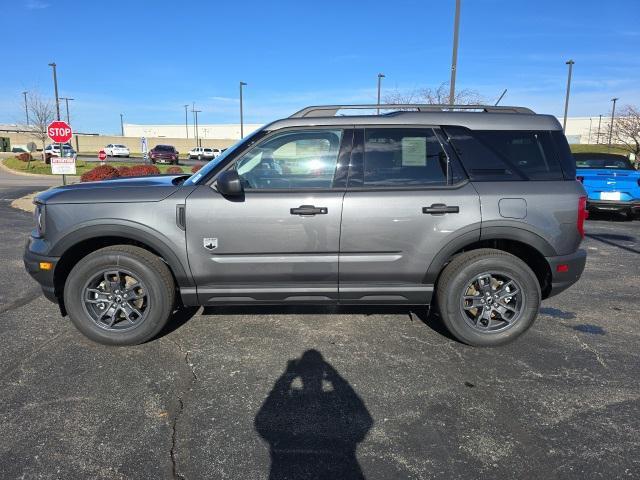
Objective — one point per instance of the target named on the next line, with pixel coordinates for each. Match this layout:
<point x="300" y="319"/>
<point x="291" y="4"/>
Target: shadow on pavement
<point x="313" y="421"/>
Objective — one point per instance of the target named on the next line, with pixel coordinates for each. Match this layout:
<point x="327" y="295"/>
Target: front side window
<point x="403" y="157"/>
<point x="293" y="160"/>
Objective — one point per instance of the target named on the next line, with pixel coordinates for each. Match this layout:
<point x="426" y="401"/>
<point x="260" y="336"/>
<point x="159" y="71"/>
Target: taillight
<point x="583" y="214"/>
<point x="580" y="179"/>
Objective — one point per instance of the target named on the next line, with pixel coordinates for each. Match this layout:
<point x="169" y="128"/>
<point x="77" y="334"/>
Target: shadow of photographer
<point x="313" y="421"/>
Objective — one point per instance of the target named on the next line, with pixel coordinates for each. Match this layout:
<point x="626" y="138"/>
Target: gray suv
<point x="472" y="210"/>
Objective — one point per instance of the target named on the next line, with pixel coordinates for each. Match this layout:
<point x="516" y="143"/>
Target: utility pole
<point x="121" y="126"/>
<point x="613" y="113"/>
<point x="242" y="84"/>
<point x="193" y="119"/>
<point x="589" y="140"/>
<point x="380" y="77"/>
<point x="598" y="135"/>
<point x="196" y="112"/>
<point x="186" y="121"/>
<point x="55" y="87"/>
<point x="454" y="56"/>
<point x="566" y="100"/>
<point x="66" y="101"/>
<point x="26" y="108"/>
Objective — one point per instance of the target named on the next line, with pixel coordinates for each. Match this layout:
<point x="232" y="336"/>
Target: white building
<point x="229" y="131"/>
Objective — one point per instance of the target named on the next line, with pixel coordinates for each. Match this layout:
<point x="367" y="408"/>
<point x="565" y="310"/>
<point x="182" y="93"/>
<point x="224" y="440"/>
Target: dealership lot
<point x="205" y="399"/>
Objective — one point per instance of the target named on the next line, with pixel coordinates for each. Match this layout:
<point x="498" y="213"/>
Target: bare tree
<point x="435" y="96"/>
<point x="41" y="114"/>
<point x="626" y="129"/>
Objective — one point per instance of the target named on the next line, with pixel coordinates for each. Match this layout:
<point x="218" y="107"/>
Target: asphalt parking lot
<point x="393" y="396"/>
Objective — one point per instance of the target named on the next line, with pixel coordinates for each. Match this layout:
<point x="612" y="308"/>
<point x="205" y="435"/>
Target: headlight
<point x="39" y="218"/>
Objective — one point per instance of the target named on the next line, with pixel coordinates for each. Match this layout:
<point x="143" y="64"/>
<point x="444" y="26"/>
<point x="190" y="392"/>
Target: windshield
<point x="619" y="163"/>
<point x="204" y="171"/>
<point x="120" y="146"/>
<point x="167" y="148"/>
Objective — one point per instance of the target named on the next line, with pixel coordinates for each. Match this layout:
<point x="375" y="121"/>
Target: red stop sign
<point x="102" y="155"/>
<point x="59" y="131"/>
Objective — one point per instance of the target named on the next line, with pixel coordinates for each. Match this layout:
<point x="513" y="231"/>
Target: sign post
<point x="60" y="132"/>
<point x="143" y="143"/>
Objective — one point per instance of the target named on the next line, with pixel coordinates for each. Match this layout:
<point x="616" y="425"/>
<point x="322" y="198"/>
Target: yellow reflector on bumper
<point x="46" y="265"/>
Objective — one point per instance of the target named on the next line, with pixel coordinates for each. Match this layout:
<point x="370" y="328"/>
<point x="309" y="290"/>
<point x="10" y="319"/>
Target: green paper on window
<point x="414" y="151"/>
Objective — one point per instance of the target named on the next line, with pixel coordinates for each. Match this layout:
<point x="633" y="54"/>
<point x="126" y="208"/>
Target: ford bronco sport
<point x="473" y="210"/>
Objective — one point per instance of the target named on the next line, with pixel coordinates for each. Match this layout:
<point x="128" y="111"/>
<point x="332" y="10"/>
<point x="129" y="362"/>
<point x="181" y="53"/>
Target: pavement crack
<point x="174" y="435"/>
<point x="29" y="297"/>
<point x="591" y="350"/>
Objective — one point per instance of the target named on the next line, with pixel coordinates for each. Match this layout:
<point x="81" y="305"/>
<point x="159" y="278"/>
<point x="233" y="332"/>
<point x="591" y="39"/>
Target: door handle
<point x="440" y="209"/>
<point x="309" y="210"/>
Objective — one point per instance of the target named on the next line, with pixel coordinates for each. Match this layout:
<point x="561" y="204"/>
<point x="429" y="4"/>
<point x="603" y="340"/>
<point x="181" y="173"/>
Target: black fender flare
<point x="131" y="231"/>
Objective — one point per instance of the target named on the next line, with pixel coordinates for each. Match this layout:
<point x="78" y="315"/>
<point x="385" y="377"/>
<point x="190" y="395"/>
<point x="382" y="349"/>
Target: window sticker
<point x="414" y="151"/>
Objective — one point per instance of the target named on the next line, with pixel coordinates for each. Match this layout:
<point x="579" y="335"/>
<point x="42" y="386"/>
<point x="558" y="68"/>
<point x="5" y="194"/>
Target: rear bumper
<point x="43" y="277"/>
<point x="614" y="205"/>
<point x="561" y="280"/>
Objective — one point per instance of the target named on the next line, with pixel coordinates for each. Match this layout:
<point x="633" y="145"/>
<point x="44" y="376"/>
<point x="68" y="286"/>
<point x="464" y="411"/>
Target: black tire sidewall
<point x="512" y="267"/>
<point x="159" y="300"/>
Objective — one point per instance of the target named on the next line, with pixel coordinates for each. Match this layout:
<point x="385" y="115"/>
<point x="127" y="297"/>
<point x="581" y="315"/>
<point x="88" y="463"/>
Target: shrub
<point x="123" y="171"/>
<point x="175" y="170"/>
<point x="141" y="171"/>
<point x="102" y="172"/>
<point x="195" y="168"/>
<point x="24" y="157"/>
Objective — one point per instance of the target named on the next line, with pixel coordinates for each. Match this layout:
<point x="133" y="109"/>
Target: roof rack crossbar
<point x="331" y="110"/>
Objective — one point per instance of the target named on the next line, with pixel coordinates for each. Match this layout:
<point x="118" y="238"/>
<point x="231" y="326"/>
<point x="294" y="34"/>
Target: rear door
<point x="280" y="241"/>
<point x="407" y="200"/>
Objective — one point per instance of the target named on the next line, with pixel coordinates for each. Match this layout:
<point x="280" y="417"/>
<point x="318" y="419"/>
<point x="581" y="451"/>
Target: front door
<point x="280" y="241"/>
<point x="406" y="202"/>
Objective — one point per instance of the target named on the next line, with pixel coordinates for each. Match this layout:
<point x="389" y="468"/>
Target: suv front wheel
<point x="488" y="297"/>
<point x="120" y="295"/>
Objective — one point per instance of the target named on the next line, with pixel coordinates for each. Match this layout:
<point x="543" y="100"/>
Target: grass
<point x="39" y="167"/>
<point x="584" y="148"/>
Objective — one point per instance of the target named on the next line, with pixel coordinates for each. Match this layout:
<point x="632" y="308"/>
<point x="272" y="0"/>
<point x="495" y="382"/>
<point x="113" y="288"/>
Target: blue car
<point x="611" y="182"/>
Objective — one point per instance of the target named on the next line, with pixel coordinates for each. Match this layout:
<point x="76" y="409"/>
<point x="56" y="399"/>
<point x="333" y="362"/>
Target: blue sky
<point x="147" y="59"/>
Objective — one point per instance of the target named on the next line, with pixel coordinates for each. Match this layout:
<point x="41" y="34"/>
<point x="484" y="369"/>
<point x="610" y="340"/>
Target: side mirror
<point x="229" y="183"/>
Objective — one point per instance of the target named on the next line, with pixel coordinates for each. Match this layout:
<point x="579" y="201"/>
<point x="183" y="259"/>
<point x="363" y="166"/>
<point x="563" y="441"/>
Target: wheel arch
<point x="79" y="243"/>
<point x="527" y="246"/>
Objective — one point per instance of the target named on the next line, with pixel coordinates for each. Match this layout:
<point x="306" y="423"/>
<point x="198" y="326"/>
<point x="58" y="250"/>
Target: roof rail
<point x="331" y="110"/>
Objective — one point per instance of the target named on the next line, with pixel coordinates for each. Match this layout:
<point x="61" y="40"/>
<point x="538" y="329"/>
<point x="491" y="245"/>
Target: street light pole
<point x="613" y="113"/>
<point x="380" y="77"/>
<point x="66" y="101"/>
<point x="566" y="100"/>
<point x="242" y="84"/>
<point x="454" y="56"/>
<point x="186" y="121"/>
<point x="121" y="126"/>
<point x="26" y="109"/>
<point x="55" y="87"/>
<point x="196" y="112"/>
<point x="590" y="123"/>
<point x="598" y="135"/>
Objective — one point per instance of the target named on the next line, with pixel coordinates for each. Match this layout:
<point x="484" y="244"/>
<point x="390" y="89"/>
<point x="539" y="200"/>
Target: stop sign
<point x="59" y="131"/>
<point x="102" y="155"/>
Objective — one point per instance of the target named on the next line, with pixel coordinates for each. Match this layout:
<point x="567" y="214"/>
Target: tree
<point x="435" y="96"/>
<point x="626" y="129"/>
<point x="41" y="114"/>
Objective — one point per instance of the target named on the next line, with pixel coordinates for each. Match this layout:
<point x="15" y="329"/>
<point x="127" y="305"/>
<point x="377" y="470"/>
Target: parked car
<point x="164" y="154"/>
<point x="19" y="149"/>
<point x="216" y="152"/>
<point x="475" y="212"/>
<point x="53" y="150"/>
<point x="117" y="150"/>
<point x="201" y="153"/>
<point x="611" y="182"/>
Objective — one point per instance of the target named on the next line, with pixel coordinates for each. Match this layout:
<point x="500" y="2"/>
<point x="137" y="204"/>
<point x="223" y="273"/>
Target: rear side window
<point x="403" y="157"/>
<point x="498" y="155"/>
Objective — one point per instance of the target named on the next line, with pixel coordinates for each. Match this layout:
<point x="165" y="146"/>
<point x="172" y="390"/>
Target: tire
<point x="459" y="279"/>
<point x="154" y="281"/>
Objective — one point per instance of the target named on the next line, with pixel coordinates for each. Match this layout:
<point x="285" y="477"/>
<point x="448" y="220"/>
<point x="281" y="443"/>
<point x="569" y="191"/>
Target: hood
<point x="120" y="190"/>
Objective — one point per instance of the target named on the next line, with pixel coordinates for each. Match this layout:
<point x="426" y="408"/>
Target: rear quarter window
<point x="508" y="155"/>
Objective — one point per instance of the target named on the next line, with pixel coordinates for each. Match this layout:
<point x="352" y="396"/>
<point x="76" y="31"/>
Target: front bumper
<point x="43" y="277"/>
<point x="614" y="205"/>
<point x="561" y="280"/>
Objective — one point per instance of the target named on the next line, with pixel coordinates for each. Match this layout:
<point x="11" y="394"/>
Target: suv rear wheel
<point x="120" y="295"/>
<point x="488" y="297"/>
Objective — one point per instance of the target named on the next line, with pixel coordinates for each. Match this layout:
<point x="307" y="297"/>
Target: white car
<point x="216" y="152"/>
<point x="202" y="153"/>
<point x="117" y="150"/>
<point x="53" y="150"/>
